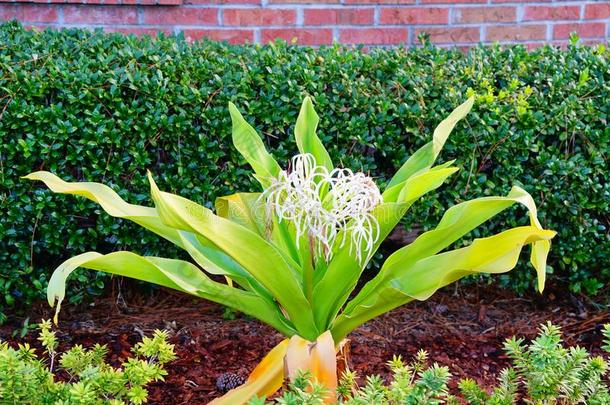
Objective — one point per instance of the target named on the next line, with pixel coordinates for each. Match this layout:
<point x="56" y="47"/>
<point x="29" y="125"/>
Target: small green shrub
<point x="106" y="107"/>
<point x="548" y="372"/>
<point x="544" y="372"/>
<point x="26" y="378"/>
<point x="413" y="383"/>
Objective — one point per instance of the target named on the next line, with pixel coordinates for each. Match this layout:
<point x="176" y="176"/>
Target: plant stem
<point x="308" y="269"/>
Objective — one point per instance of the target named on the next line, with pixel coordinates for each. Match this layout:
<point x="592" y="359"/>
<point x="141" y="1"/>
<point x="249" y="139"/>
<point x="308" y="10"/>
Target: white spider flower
<point x="323" y="205"/>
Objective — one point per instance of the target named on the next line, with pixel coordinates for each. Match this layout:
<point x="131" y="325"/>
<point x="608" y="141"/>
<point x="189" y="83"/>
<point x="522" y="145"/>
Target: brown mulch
<point x="461" y="328"/>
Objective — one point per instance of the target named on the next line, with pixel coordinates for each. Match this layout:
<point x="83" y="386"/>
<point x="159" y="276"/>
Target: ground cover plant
<point x="543" y="372"/>
<point x="293" y="254"/>
<point x="105" y="107"/>
<point x="27" y="378"/>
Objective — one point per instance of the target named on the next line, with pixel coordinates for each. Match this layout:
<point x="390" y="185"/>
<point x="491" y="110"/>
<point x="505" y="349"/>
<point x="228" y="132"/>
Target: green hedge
<point x="91" y="106"/>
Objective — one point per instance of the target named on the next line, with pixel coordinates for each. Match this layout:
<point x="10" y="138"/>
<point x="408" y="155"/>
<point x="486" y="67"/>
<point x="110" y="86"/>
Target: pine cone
<point x="227" y="381"/>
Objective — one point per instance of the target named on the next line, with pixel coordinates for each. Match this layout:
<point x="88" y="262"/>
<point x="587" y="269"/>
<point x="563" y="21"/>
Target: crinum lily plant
<point x="292" y="254"/>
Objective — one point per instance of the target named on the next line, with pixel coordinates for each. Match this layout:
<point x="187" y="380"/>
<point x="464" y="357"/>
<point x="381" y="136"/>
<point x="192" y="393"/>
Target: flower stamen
<point x="323" y="205"/>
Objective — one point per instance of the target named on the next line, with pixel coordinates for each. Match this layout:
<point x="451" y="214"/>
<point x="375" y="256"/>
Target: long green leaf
<point x="176" y="274"/>
<point x="250" y="145"/>
<point x="110" y="201"/>
<point x="455" y="223"/>
<point x="427" y="154"/>
<point x="257" y="256"/>
<point x="420" y="279"/>
<point x="205" y="253"/>
<point x="305" y="134"/>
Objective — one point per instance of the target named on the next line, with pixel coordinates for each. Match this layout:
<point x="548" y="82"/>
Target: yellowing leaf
<point x="285" y="361"/>
<point x="205" y="253"/>
<point x="245" y="209"/>
<point x="407" y="280"/>
<point x="324" y="365"/>
<point x="176" y="274"/>
<point x="297" y="356"/>
<point x="264" y="380"/>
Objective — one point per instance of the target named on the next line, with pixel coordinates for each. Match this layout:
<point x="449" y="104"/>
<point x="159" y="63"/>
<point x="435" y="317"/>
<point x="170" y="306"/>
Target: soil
<point x="461" y="328"/>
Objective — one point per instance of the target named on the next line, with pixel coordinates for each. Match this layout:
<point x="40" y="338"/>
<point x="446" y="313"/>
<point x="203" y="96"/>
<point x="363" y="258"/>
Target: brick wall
<point x="316" y="22"/>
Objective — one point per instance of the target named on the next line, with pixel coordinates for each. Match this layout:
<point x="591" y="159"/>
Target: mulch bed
<point x="461" y="328"/>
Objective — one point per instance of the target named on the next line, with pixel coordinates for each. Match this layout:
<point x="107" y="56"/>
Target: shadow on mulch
<point x="463" y="329"/>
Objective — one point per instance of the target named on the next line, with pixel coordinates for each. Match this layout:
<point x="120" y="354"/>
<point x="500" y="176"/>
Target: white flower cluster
<point x="326" y="206"/>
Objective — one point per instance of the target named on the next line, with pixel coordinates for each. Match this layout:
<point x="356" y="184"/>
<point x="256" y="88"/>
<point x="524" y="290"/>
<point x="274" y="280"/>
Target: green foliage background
<point x="106" y="107"/>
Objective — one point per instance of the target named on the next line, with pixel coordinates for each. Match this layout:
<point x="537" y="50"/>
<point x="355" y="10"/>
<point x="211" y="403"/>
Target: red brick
<point x="380" y="1"/>
<point x="180" y="16"/>
<point x="593" y="42"/>
<point x="485" y="14"/>
<point x="300" y="36"/>
<point x="541" y="13"/>
<point x="452" y="1"/>
<point x="100" y="15"/>
<point x="170" y="2"/>
<point x="597" y="11"/>
<point x="152" y="32"/>
<point x="521" y="1"/>
<point x="450" y="35"/>
<point x="587" y="30"/>
<point x="414" y="16"/>
<point x="338" y="16"/>
<point x="373" y="36"/>
<point x="516" y="32"/>
<point x="207" y="2"/>
<point x="303" y="1"/>
<point x="28" y="13"/>
<point x="246" y="17"/>
<point x="232" y="36"/>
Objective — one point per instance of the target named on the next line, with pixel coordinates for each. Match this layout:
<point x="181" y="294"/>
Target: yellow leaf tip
<point x="235" y="114"/>
<point x="56" y="316"/>
<point x="540" y="286"/>
<point x="234" y="111"/>
<point x="30" y="176"/>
